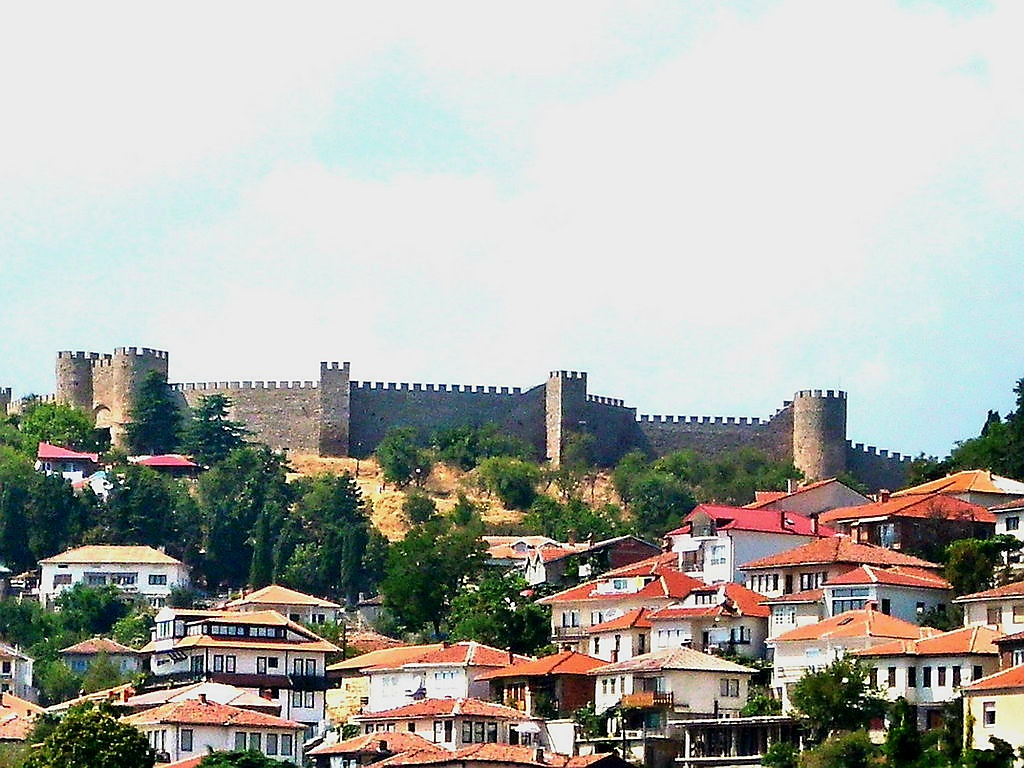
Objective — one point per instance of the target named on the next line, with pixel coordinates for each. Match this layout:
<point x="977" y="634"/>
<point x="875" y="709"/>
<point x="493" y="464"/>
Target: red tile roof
<point x="978" y="640"/>
<point x="933" y="506"/>
<point x="666" y="584"/>
<point x="839" y="549"/>
<point x="275" y="594"/>
<point x="746" y="519"/>
<point x="968" y="481"/>
<point x="866" y="622"/>
<point x="365" y="641"/>
<point x="196" y="712"/>
<point x="470" y="654"/>
<point x="564" y="663"/>
<point x="445" y="708"/>
<point x="1008" y="679"/>
<point x="98" y="645"/>
<point x="166" y="460"/>
<point x="395" y="741"/>
<point x="1014" y="589"/>
<point x="385" y="658"/>
<point x="498" y="753"/>
<point x="895" y="576"/>
<point x="47" y="451"/>
<point x="766" y="498"/>
<point x="635" y="618"/>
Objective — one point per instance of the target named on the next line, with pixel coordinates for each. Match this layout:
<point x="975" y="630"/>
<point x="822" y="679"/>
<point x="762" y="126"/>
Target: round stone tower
<point x="74" y="379"/>
<point x="819" y="433"/>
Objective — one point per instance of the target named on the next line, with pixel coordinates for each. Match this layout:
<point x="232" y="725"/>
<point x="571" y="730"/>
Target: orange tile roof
<point x="667" y="584"/>
<point x="564" y="663"/>
<point x="746" y="600"/>
<point x="104" y="553"/>
<point x="933" y="506"/>
<point x="9" y="703"/>
<point x="894" y="576"/>
<point x="445" y="708"/>
<point x="468" y="653"/>
<point x="369" y="743"/>
<point x="978" y="640"/>
<point x="635" y="618"/>
<point x="1008" y="679"/>
<point x="366" y="641"/>
<point x="839" y="549"/>
<point x="496" y="753"/>
<point x="968" y="481"/>
<point x="386" y="658"/>
<point x="757" y="520"/>
<point x="98" y="645"/>
<point x="672" y="658"/>
<point x="866" y="622"/>
<point x="275" y="594"/>
<point x="1014" y="589"/>
<point x="196" y="712"/>
<point x="188" y="762"/>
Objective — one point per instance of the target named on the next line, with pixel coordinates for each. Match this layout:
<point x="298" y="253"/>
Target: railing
<point x="569" y="633"/>
<point x="647" y="700"/>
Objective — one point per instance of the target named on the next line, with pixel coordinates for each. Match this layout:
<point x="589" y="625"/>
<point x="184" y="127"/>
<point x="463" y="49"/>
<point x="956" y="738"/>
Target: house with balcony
<point x="675" y="683"/>
<point x="929" y="672"/>
<point x="349" y="693"/>
<point x="918" y="523"/>
<point x="810" y="499"/>
<point x="195" y="727"/>
<point x="548" y="687"/>
<point x="720" y="617"/>
<point x="714" y="540"/>
<point x="621" y="637"/>
<point x="449" y="672"/>
<point x="976" y="486"/>
<point x="16" y="672"/>
<point x="651" y="583"/>
<point x="136" y="570"/>
<point x="810" y="566"/>
<point x="297" y="606"/>
<point x="1008" y="516"/>
<point x="262" y="652"/>
<point x="454" y="723"/>
<point x="815" y="646"/>
<point x="1000" y="607"/>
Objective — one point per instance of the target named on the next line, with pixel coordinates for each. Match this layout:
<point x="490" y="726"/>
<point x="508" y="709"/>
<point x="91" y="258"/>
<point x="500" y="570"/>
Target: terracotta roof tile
<point x="196" y="712"/>
<point x="55" y="452"/>
<point x="1008" y="679"/>
<point x="104" y="553"/>
<point x="1014" y="589"/>
<point x="747" y="519"/>
<point x="275" y="594"/>
<point x="635" y="618"/>
<point x="968" y="481"/>
<point x="866" y="622"/>
<point x="672" y="658"/>
<point x="807" y="596"/>
<point x="838" y="549"/>
<point x="564" y="663"/>
<point x="471" y="653"/>
<point x="894" y="576"/>
<point x="98" y="645"/>
<point x="445" y="708"/>
<point x="365" y="641"/>
<point x="978" y="640"/>
<point x="933" y="506"/>
<point x="766" y="498"/>
<point x="369" y="743"/>
<point x="386" y="658"/>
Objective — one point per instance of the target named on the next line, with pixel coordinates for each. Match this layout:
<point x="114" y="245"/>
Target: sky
<point x="707" y="206"/>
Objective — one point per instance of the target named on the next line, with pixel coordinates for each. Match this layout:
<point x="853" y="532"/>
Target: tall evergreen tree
<point x="209" y="435"/>
<point x="155" y="418"/>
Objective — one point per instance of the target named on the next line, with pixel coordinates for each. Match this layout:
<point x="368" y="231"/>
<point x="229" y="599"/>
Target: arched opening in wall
<point x="103" y="422"/>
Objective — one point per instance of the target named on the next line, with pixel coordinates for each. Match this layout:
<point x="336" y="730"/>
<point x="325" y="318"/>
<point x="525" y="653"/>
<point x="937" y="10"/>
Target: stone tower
<point x="819" y="433"/>
<point x="565" y="404"/>
<point x="334" y="409"/>
<point x="5" y="400"/>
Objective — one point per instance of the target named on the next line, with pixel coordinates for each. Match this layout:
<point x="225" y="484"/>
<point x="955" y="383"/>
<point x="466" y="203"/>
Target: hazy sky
<point x="705" y="205"/>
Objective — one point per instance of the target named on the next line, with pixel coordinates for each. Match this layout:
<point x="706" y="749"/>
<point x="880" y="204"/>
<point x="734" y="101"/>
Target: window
<point x="911" y="677"/>
<point x="1018" y="614"/>
<point x="988" y="716"/>
<point x="296" y="698"/>
<point x="956" y="676"/>
<point x="60" y="579"/>
<point x="597" y="646"/>
<point x="620" y="584"/>
<point x="297" y="667"/>
<point x="730" y="687"/>
<point x="261" y="665"/>
<point x="185" y="740"/>
<point x="438" y="731"/>
<point x="886" y="606"/>
<point x="157" y="579"/>
<point x="218" y="663"/>
<point x="942" y="676"/>
<point x="309" y="699"/>
<point x="993" y="615"/>
<point x="255" y="741"/>
<point x="124" y="579"/>
<point x="240" y="742"/>
<point x="229" y="663"/>
<point x="197" y="663"/>
<point x="467" y="732"/>
<point x="1012" y="523"/>
<point x="492" y="733"/>
<point x="310" y="667"/>
<point x="271" y="743"/>
<point x="478" y="732"/>
<point x="926" y="677"/>
<point x="891" y="677"/>
<point x="977" y="672"/>
<point x="873" y="677"/>
<point x="272" y="662"/>
<point x="286" y="744"/>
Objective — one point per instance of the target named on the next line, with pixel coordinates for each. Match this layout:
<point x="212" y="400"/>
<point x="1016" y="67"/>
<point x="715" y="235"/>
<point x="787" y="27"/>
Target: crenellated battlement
<point x="68" y="355"/>
<point x="613" y="401"/>
<point x="463" y="388"/>
<point x="828" y="394"/>
<point x="325" y="367"/>
<point x="751" y="421"/>
<point x="568" y="375"/>
<point x="158" y="354"/>
<point x="871" y="450"/>
<point x="241" y="385"/>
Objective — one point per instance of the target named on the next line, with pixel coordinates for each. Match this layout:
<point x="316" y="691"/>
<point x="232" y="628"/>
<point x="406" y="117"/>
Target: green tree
<point x="971" y="564"/>
<point x="574" y="520"/>
<point x="155" y="423"/>
<point x="251" y="759"/>
<point x="781" y="754"/>
<point x="497" y="612"/>
<point x="418" y="507"/>
<point x="847" y="750"/>
<point x="427" y="569"/>
<point x="93" y="738"/>
<point x="402" y="459"/>
<point x="141" y="508"/>
<point x="761" y="702"/>
<point x="102" y="674"/>
<point x="57" y="424"/>
<point x="16" y="478"/>
<point x="210" y="435"/>
<point x="90" y="611"/>
<point x="660" y="502"/>
<point x="466" y="446"/>
<point x="56" y="681"/>
<point x="835" y="698"/>
<point x="513" y="481"/>
<point x="133" y="630"/>
<point x="902" y="739"/>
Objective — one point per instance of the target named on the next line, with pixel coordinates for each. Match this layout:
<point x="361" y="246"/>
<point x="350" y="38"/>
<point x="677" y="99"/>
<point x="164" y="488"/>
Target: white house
<point x="929" y="672"/>
<point x="136" y="570"/>
<point x="296" y="605"/>
<point x="80" y="656"/>
<point x="195" y="727"/>
<point x="815" y="646"/>
<point x="1001" y="607"/>
<point x="723" y="617"/>
<point x="16" y="673"/>
<point x="714" y="540"/>
<point x="673" y="681"/>
<point x="621" y="638"/>
<point x="261" y="652"/>
<point x="449" y="672"/>
<point x="71" y="465"/>
<point x="977" y="486"/>
<point x="810" y="499"/>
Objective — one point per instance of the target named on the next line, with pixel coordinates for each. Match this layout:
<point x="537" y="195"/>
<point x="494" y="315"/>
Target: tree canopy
<point x="155" y="424"/>
<point x="836" y="698"/>
<point x="92" y="738"/>
<point x="209" y="435"/>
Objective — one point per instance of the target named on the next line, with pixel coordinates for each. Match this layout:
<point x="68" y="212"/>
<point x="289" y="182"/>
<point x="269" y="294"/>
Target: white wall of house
<point x="747" y="634"/>
<point x="153" y="581"/>
<point x="787" y="616"/>
<point x="303" y="614"/>
<point x="182" y="742"/>
<point x="793" y="658"/>
<point x="389" y="689"/>
<point x="720" y="557"/>
<point x="450" y="732"/>
<point x="620" y="644"/>
<point x="1004" y="613"/>
<point x="907" y="603"/>
<point x="693" y="692"/>
<point x="16" y="674"/>
<point x="933" y="677"/>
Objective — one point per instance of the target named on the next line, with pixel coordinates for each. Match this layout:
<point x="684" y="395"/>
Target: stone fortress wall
<point x="339" y="416"/>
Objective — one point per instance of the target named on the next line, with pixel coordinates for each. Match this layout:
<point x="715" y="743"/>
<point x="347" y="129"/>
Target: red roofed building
<point x="977" y="486"/>
<point x="81" y="655"/>
<point x="817" y="645"/>
<point x="453" y="723"/>
<point x="173" y="464"/>
<point x="714" y="540"/>
<point x="1001" y="607"/>
<point x="551" y="686"/>
<point x="185" y="729"/>
<point x="929" y="672"/>
<point x="551" y="565"/>
<point x="810" y="565"/>
<point x="503" y="756"/>
<point x="17" y="717"/>
<point x="369" y="748"/>
<point x="810" y="499"/>
<point x="994" y="706"/>
<point x="71" y="465"/>
<point x="915" y="523"/>
<point x="720" y="617"/>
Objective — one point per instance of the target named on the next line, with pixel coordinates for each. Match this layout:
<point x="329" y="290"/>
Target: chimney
<point x="538" y="755"/>
<point x="511" y="657"/>
<point x="782" y="519"/>
<point x="871" y="605"/>
<point x="382" y="746"/>
<point x="883" y="494"/>
<point x="202" y="699"/>
<point x="814" y="523"/>
<point x="791" y="485"/>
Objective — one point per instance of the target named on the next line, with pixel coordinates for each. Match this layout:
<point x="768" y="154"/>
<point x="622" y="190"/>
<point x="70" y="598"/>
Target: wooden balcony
<point x="646" y="700"/>
<point x="569" y="633"/>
